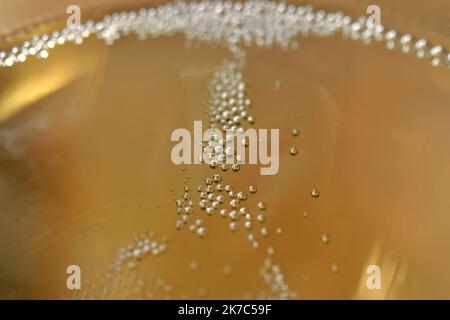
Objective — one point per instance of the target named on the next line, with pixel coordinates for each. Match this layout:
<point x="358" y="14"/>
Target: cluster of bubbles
<point x="229" y="105"/>
<point x="146" y="244"/>
<point x="228" y="110"/>
<point x="253" y="22"/>
<point x="217" y="198"/>
<point x="194" y="266"/>
<point x="272" y="275"/>
<point x="184" y="208"/>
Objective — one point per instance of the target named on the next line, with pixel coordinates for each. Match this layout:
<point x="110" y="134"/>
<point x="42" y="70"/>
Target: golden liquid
<point x="85" y="167"/>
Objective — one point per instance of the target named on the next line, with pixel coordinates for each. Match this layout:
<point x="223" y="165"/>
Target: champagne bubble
<point x="325" y="238"/>
<point x="193" y="265"/>
<point x="315" y="193"/>
<point x="261" y="205"/>
<point x="234" y="203"/>
<point x="264" y="231"/>
<point x="223" y="212"/>
<point x="201" y="231"/>
<point x="334" y="267"/>
<point x="242" y="195"/>
<point x="261" y="217"/>
<point x="233" y="226"/>
<point x="295" y="132"/>
<point x="277" y="85"/>
<point x="234" y="215"/>
<point x="203" y="204"/>
<point x="213" y="164"/>
<point x="227" y="270"/>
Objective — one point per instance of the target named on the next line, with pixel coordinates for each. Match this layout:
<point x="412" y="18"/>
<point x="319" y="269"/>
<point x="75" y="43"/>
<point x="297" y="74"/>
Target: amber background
<point x="84" y="162"/>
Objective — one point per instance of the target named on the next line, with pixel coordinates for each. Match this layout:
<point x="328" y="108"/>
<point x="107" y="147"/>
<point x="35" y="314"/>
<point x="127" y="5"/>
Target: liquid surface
<point x="85" y="168"/>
